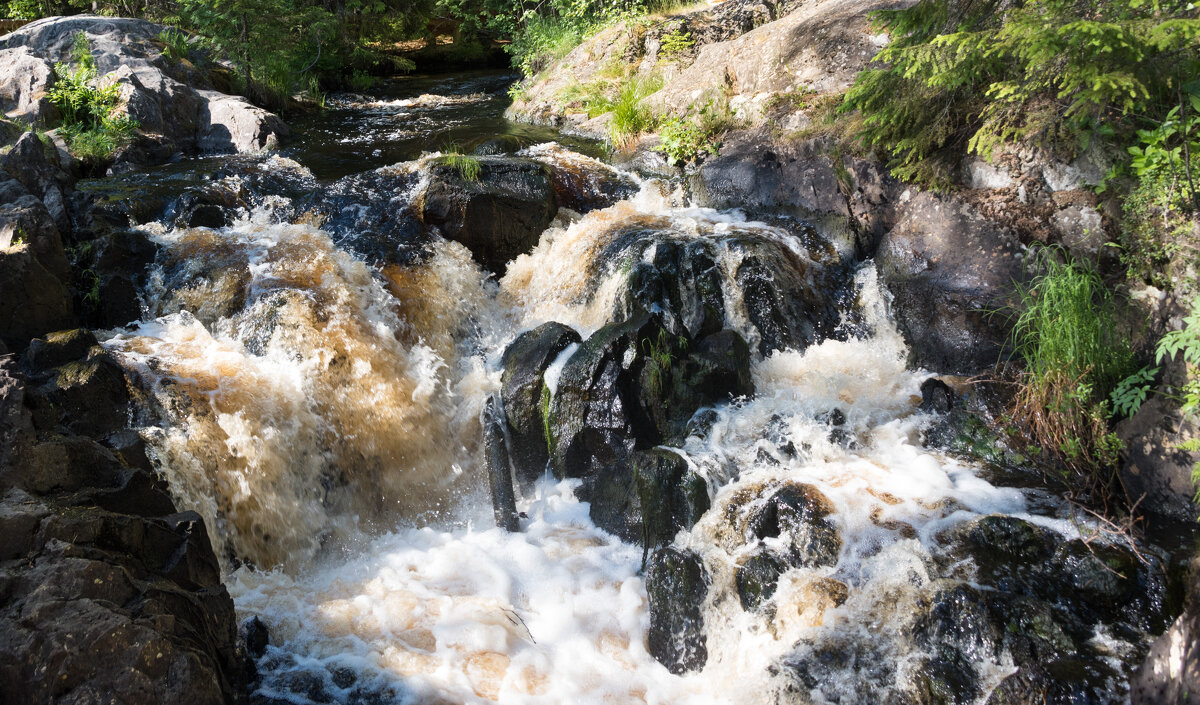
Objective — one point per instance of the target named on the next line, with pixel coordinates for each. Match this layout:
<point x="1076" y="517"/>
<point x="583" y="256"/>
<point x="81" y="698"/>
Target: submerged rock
<point x="499" y="214"/>
<point x="677" y="584"/>
<point x="373" y="214"/>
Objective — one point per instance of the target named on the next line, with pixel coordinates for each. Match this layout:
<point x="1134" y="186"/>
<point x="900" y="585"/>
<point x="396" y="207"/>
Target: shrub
<point x="675" y="43"/>
<point x="1074" y="355"/>
<point x="683" y="141"/>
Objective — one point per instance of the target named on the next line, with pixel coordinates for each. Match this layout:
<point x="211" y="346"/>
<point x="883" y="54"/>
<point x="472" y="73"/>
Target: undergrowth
<point x="89" y="122"/>
<point x="1074" y="355"/>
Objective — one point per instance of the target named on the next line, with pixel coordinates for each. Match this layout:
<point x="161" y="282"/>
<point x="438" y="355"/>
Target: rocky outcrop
<point x="741" y="51"/>
<point x="174" y="103"/>
<point x="104" y="588"/>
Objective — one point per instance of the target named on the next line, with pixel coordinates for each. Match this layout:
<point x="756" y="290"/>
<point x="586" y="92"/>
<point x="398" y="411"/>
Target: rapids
<point x="322" y="412"/>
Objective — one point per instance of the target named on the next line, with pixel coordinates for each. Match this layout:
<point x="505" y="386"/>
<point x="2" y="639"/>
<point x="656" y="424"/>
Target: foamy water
<point x="329" y="432"/>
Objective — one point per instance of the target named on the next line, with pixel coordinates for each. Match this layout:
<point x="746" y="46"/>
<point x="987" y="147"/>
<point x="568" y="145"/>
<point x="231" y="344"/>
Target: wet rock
<point x="1086" y="582"/>
<point x="254" y="635"/>
<point x="683" y="281"/>
<point x="1032" y="630"/>
<point x="629" y="387"/>
<point x="946" y="679"/>
<point x="111" y="303"/>
<point x="757" y="577"/>
<point x="677" y="584"/>
<point x="794" y="512"/>
<point x="373" y="214"/>
<point x="936" y="396"/>
<point x="596" y="419"/>
<point x="171" y="101"/>
<point x="785" y="284"/>
<point x="1061" y="682"/>
<point x="526" y="398"/>
<point x="955" y="620"/>
<point x="497" y="216"/>
<point x="504" y="504"/>
<point x="587" y="188"/>
<point x="790" y="300"/>
<point x="948" y="270"/>
<point x="671" y="495"/>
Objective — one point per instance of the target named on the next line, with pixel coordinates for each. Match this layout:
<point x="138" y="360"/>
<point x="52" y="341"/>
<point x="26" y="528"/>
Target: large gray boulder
<point x="952" y="274"/>
<point x="173" y="102"/>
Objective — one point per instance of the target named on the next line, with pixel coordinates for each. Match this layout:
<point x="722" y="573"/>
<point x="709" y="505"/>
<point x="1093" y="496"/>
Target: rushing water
<point x="327" y="425"/>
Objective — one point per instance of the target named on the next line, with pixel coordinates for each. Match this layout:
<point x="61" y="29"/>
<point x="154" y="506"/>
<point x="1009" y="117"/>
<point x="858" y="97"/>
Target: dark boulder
<point x="596" y="420"/>
<point x="672" y="496"/>
<point x="498" y="215"/>
<point x="1087" y="583"/>
<point x="788" y="284"/>
<point x="526" y="398"/>
<point x="677" y="584"/>
<point x="952" y="274"/>
<point x="757" y="576"/>
<point x="630" y="387"/>
<point x="936" y="396"/>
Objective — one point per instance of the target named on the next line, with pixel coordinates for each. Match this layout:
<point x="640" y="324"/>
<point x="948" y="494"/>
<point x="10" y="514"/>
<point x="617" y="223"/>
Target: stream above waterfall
<point x="316" y="366"/>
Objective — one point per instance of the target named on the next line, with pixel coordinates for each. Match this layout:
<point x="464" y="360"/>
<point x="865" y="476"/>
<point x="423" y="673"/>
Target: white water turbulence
<point x="328" y="430"/>
<point x="316" y="409"/>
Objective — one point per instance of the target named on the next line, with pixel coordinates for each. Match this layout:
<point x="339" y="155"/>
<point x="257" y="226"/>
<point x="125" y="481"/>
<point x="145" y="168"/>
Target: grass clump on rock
<point x="1074" y="355"/>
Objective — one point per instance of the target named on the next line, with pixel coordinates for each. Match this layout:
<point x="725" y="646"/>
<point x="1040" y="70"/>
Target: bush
<point x="683" y="141"/>
<point x="1074" y="356"/>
